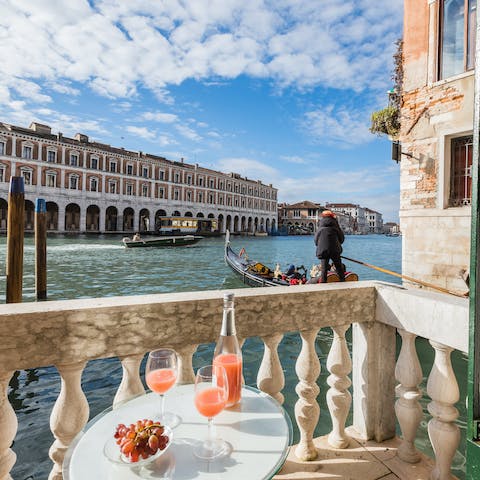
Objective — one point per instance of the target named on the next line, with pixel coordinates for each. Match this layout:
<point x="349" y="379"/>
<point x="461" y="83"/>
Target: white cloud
<point x="340" y="127"/>
<point x="142" y="132"/>
<point x="114" y="46"/>
<point x="294" y="159"/>
<point x="247" y="167"/>
<point x="188" y="132"/>
<point x="159" y="117"/>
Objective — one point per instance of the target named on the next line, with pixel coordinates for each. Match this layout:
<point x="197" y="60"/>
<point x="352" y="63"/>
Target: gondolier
<point x="329" y="239"/>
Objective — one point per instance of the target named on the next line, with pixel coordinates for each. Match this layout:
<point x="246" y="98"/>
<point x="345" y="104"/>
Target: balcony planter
<point x="386" y="122"/>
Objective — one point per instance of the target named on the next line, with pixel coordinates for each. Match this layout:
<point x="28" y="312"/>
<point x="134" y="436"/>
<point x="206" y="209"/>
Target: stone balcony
<point x="68" y="334"/>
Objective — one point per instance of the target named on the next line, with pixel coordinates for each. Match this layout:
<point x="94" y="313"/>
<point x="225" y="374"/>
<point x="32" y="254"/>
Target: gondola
<point x="257" y="274"/>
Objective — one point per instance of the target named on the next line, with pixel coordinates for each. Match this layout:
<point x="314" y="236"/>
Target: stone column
<point x="374" y="380"/>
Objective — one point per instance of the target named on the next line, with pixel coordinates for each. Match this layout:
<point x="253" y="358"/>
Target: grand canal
<point x="93" y="266"/>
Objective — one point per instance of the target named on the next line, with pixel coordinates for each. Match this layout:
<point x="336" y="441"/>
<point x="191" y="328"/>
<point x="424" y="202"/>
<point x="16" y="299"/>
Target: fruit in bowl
<point x="142" y="439"/>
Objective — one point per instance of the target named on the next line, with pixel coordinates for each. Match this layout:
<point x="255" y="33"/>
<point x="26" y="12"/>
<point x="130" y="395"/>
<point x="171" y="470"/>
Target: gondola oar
<point x="405" y="277"/>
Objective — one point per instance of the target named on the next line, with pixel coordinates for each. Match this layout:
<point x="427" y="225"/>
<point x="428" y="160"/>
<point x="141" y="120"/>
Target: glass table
<point x="258" y="430"/>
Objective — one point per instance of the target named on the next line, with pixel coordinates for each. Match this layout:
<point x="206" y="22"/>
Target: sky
<point x="276" y="90"/>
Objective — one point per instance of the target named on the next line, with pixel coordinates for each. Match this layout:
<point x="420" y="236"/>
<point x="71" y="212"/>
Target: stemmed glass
<point x="211" y="394"/>
<point x="161" y="375"/>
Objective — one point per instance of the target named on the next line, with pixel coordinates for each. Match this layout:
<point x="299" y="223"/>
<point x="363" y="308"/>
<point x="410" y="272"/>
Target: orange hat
<point x="328" y="213"/>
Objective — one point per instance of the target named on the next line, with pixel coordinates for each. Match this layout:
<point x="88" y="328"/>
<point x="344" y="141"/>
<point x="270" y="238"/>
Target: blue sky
<point x="278" y="90"/>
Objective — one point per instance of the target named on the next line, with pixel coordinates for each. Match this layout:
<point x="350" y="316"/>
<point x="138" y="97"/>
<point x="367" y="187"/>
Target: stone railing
<point x="68" y="334"/>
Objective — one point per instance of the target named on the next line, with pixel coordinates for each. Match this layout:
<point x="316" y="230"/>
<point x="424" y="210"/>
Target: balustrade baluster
<point x="444" y="433"/>
<point x="131" y="384"/>
<point x="9" y="423"/>
<point x="186" y="374"/>
<point x="408" y="373"/>
<point x="69" y="414"/>
<point x="270" y="377"/>
<point x="307" y="411"/>
<point x="339" y="398"/>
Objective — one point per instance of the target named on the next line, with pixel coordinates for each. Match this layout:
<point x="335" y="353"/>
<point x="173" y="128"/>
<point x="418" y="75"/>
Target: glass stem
<point x="210" y="433"/>
<point x="162" y="406"/>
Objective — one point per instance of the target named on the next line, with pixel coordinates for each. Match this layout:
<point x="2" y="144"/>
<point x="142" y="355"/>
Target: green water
<point x="92" y="266"/>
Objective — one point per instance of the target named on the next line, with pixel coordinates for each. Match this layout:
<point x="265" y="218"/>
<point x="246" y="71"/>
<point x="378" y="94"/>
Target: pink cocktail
<point x="161" y="380"/>
<point x="161" y="373"/>
<point x="232" y="364"/>
<point x="211" y="401"/>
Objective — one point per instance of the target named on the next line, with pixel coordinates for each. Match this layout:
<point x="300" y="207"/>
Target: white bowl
<point x="112" y="451"/>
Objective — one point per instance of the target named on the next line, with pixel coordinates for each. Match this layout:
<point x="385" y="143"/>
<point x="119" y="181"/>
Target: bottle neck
<point x="228" y="322"/>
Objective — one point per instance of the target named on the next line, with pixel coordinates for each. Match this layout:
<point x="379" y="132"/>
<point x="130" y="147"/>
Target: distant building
<point x="374" y="221"/>
<point x="94" y="187"/>
<point x="301" y="217"/>
<point x="358" y="214"/>
<point x="391" y="227"/>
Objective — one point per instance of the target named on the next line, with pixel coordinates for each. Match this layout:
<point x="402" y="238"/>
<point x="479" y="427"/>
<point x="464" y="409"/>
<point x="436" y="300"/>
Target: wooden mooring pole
<point x="40" y="249"/>
<point x="15" y="235"/>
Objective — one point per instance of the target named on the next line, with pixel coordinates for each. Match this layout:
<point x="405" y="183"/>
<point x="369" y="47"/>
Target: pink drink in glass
<point x="161" y="380"/>
<point x="210" y="401"/>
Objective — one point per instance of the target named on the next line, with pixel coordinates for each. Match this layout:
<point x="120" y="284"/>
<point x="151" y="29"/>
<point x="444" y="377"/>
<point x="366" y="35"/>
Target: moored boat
<point x="257" y="274"/>
<point x="174" y="241"/>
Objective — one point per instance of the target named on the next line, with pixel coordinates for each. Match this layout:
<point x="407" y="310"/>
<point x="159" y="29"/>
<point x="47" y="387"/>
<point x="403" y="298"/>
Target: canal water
<point x="99" y="266"/>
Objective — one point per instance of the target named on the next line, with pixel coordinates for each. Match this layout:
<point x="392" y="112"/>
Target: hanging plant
<point x="387" y="120"/>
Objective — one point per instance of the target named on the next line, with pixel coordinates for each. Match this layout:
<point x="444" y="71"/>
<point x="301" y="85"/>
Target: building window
<point x="2" y="173"/>
<point x="2" y="148"/>
<point x="200" y="198"/>
<point x="51" y="156"/>
<point x="73" y="184"/>
<point x="457" y="37"/>
<point x="113" y="166"/>
<point x="27" y="151"/>
<point x="189" y="179"/>
<point x="129" y="189"/>
<point x="93" y="184"/>
<point x="189" y="196"/>
<point x="129" y="169"/>
<point x="200" y="181"/>
<point x="144" y="190"/>
<point x="112" y="186"/>
<point x="212" y="183"/>
<point x="145" y="172"/>
<point x="220" y="200"/>
<point x="176" y="195"/>
<point x="161" y="192"/>
<point x="176" y="177"/>
<point x="161" y="175"/>
<point x="94" y="163"/>
<point x="51" y="179"/>
<point x="229" y="202"/>
<point x="461" y="172"/>
<point x="73" y="160"/>
<point x="27" y="176"/>
<point x="210" y="198"/>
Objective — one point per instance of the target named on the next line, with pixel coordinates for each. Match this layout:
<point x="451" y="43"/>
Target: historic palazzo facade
<point x="94" y="187"/>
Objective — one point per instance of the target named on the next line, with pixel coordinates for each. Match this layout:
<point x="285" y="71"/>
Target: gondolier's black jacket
<point x="329" y="238"/>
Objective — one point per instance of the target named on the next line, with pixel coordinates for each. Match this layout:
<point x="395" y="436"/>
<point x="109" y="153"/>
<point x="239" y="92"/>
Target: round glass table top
<point x="257" y="430"/>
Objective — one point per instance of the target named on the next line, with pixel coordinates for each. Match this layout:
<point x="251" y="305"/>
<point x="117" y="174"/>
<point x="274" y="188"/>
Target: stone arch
<point x="221" y="226"/>
<point x="3" y="214"/>
<point x="144" y="220"/>
<point x="128" y="219"/>
<point x="52" y="216"/>
<point x="92" y="222"/>
<point x="176" y="213"/>
<point x="29" y="220"/>
<point x="188" y="214"/>
<point x="72" y="217"/>
<point x="158" y="218"/>
<point x="111" y="218"/>
<point x="200" y="215"/>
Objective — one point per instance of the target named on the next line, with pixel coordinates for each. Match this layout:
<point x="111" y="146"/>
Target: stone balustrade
<point x="68" y="334"/>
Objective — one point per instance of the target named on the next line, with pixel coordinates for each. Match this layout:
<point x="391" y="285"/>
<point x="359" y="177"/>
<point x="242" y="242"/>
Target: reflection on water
<point x="99" y="266"/>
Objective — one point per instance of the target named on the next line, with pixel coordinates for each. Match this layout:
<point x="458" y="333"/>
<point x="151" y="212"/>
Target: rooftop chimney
<point x="40" y="128"/>
<point x="80" y="137"/>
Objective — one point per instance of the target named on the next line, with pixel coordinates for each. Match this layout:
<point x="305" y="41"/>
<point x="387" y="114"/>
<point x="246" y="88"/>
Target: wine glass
<point x="161" y="375"/>
<point x="211" y="394"/>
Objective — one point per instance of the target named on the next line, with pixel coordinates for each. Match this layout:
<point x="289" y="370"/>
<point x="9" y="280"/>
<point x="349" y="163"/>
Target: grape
<point x="140" y="439"/>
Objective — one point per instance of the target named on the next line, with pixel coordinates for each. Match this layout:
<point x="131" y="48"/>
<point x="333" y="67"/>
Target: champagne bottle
<point x="228" y="353"/>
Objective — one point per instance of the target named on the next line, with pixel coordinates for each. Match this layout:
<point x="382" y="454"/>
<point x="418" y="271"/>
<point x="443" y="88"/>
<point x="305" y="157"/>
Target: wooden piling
<point x="40" y="249"/>
<point x="15" y="236"/>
